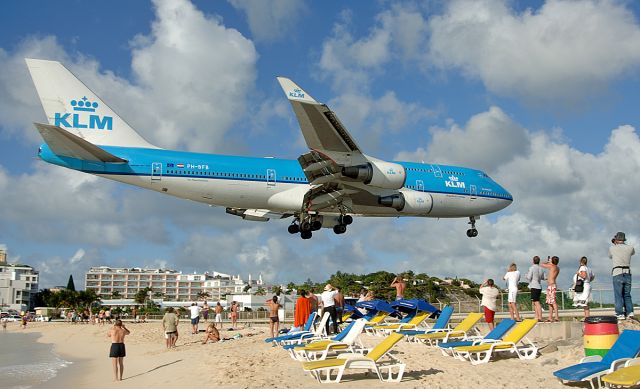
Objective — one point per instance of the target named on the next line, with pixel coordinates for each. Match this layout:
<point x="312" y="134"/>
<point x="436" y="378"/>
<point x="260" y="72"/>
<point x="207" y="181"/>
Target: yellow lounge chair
<point x="459" y="331"/>
<point x="385" y="329"/>
<point x="627" y="376"/>
<point x="370" y="361"/>
<point x="481" y="353"/>
<point x="376" y="320"/>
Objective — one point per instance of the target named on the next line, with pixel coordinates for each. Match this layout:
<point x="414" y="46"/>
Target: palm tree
<point x="203" y="295"/>
<point x="261" y="291"/>
<point x="116" y="295"/>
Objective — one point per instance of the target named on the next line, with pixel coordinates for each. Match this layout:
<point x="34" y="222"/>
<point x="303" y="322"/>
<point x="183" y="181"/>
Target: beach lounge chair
<point x="515" y="342"/>
<point x="496" y="334"/>
<point x="459" y="331"/>
<point x="339" y="336"/>
<point x="593" y="367"/>
<point x="302" y="338"/>
<point x="323" y="370"/>
<point x="441" y="323"/>
<point x="306" y="328"/>
<point x="416" y="311"/>
<point x="625" y="377"/>
<point x="346" y="341"/>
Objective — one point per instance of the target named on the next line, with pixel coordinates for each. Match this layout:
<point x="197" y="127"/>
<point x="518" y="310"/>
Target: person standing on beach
<point x="302" y="311"/>
<point x="313" y="300"/>
<point x="581" y="298"/>
<point x="117" y="351"/>
<point x="195" y="317"/>
<point x="218" y="310"/>
<point x="489" y="294"/>
<point x="234" y="314"/>
<point x="400" y="286"/>
<point x="512" y="277"/>
<point x="170" y="326"/>
<point x="554" y="270"/>
<point x="620" y="254"/>
<point x="205" y="311"/>
<point x="274" y="320"/>
<point x="533" y="277"/>
<point x="329" y="305"/>
<point x="339" y="299"/>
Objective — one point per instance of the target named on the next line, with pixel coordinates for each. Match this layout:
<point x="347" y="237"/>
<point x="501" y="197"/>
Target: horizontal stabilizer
<point x="66" y="144"/>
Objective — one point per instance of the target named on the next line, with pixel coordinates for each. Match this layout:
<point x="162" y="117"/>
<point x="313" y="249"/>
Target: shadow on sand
<point x="152" y="370"/>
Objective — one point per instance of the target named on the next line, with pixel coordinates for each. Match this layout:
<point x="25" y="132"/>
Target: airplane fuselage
<point x="280" y="184"/>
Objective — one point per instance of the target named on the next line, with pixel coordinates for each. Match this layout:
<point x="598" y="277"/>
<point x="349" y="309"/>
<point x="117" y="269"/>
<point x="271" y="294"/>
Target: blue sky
<point x="542" y="95"/>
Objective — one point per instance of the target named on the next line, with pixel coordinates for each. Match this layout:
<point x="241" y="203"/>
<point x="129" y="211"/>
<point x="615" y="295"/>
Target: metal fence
<point x="601" y="297"/>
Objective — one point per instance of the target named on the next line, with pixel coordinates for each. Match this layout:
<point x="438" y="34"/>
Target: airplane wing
<point x="339" y="172"/>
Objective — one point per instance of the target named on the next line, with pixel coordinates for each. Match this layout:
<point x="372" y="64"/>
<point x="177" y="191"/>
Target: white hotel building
<point x="171" y="284"/>
<point x="18" y="284"/>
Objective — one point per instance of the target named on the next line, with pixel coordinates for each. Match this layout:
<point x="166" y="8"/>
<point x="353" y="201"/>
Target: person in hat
<point x="329" y="305"/>
<point x="620" y="254"/>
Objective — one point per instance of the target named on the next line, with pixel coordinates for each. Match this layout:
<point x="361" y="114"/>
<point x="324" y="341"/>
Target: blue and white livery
<point x="325" y="187"/>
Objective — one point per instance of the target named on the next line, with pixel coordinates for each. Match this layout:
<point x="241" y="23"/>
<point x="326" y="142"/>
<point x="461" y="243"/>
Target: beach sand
<point x="249" y="362"/>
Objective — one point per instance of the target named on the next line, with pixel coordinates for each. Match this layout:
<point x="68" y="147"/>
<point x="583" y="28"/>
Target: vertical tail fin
<point x="69" y="104"/>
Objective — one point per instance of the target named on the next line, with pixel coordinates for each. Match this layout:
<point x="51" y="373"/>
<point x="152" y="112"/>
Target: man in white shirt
<point x="329" y="305"/>
<point x="195" y="317"/>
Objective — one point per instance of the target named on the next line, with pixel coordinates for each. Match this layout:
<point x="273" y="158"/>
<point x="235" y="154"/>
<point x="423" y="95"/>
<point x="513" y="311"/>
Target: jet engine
<point x="408" y="201"/>
<point x="386" y="175"/>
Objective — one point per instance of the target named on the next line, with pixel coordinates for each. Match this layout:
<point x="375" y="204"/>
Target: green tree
<point x="203" y="295"/>
<point x="277" y="289"/>
<point x="261" y="291"/>
<point x="141" y="295"/>
<point x="40" y="299"/>
<point x="86" y="298"/>
<point x="70" y="285"/>
<point x="246" y="288"/>
<point x="116" y="295"/>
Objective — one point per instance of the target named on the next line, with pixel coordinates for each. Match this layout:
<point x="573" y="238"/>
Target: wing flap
<point x="320" y="127"/>
<point x="66" y="144"/>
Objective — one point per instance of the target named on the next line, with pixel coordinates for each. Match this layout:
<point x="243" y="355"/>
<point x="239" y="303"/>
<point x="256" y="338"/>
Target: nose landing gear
<point x="472" y="232"/>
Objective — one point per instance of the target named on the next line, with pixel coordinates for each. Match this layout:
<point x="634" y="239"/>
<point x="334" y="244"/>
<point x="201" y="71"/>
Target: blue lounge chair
<point x="592" y="368"/>
<point x="441" y="323"/>
<point x="495" y="334"/>
<point x="288" y="335"/>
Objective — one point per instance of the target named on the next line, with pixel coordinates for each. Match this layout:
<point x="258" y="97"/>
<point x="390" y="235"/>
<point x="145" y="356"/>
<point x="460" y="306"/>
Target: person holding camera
<point x="620" y="254"/>
<point x="582" y="286"/>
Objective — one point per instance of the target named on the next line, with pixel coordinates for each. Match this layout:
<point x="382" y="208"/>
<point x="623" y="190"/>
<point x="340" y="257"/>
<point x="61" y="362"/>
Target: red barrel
<point x="600" y="333"/>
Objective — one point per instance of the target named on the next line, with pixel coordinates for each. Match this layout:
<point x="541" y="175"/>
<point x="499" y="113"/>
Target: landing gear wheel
<point x="472" y="232"/>
<point x="339" y="229"/>
<point x="316" y="225"/>
<point x="346" y="219"/>
<point x="305" y="226"/>
<point x="293" y="229"/>
<point x="305" y="234"/>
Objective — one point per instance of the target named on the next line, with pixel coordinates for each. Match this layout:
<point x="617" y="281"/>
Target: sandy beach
<point x="249" y="362"/>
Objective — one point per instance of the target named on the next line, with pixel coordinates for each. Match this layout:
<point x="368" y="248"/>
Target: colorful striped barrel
<point x="600" y="333"/>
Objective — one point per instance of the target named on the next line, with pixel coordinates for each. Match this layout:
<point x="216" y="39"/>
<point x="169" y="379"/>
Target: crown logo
<point x="84" y="104"/>
<point x="453" y="178"/>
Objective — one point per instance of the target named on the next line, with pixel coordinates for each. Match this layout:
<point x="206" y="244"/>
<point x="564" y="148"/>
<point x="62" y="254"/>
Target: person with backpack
<point x="582" y="286"/>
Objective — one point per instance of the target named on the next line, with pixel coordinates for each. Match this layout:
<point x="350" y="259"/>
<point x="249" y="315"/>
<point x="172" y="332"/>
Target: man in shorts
<point x="554" y="270"/>
<point x="195" y="318"/>
<point x="534" y="276"/>
<point x="117" y="351"/>
<point x="170" y="326"/>
<point x="274" y="321"/>
<point x="218" y="310"/>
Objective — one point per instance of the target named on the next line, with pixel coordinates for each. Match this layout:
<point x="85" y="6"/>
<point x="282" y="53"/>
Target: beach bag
<point x="579" y="286"/>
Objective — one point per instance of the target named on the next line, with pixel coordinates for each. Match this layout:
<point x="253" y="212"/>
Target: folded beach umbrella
<point x="411" y="306"/>
<point x="375" y="306"/>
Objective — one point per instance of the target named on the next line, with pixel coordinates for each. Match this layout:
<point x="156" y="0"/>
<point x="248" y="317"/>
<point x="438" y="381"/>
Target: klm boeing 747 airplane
<point x="325" y="187"/>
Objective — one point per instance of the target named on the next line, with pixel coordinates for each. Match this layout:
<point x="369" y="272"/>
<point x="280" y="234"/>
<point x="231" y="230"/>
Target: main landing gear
<point x="472" y="232"/>
<point x="311" y="223"/>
